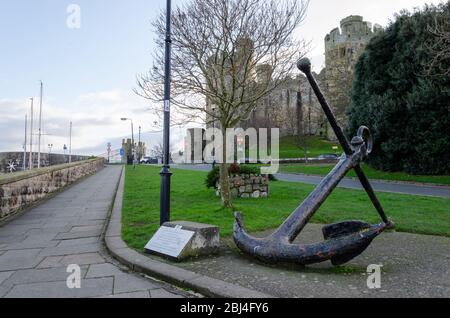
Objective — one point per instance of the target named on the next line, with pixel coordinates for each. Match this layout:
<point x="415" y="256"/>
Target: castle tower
<point x="342" y="49"/>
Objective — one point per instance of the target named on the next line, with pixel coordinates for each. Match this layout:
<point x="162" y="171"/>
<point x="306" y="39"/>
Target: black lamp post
<point x="165" y="172"/>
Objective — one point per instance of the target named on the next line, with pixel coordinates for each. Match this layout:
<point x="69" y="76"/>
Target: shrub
<point x="212" y="178"/>
<point x="214" y="175"/>
<point x="406" y="108"/>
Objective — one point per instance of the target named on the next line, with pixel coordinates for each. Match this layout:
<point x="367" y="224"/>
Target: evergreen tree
<point x="405" y="103"/>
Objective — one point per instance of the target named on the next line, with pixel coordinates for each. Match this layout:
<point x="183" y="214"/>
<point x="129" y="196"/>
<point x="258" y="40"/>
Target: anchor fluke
<point x="345" y="241"/>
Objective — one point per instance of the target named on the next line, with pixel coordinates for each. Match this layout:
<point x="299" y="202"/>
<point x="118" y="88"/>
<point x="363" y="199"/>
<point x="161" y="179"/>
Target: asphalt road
<point x="349" y="183"/>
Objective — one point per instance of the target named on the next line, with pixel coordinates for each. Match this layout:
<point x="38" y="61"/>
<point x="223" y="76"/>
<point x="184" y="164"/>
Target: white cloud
<point x="95" y="116"/>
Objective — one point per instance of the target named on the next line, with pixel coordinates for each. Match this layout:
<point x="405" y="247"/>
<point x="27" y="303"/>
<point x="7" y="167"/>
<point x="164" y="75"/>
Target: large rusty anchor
<point x="343" y="241"/>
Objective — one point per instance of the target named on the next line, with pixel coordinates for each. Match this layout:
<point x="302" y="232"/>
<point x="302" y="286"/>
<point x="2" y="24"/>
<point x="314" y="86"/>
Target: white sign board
<point x="169" y="241"/>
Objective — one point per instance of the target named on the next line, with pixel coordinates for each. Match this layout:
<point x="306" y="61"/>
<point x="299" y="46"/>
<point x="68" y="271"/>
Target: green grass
<point x="292" y="147"/>
<point x="191" y="201"/>
<point x="371" y="173"/>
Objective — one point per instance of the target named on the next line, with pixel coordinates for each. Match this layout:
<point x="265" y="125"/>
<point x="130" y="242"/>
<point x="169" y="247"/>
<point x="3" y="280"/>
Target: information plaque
<point x="169" y="241"/>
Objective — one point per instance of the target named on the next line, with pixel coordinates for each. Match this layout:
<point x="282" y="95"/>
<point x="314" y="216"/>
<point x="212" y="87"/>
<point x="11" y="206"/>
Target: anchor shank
<point x="292" y="227"/>
<point x="305" y="66"/>
<point x="371" y="193"/>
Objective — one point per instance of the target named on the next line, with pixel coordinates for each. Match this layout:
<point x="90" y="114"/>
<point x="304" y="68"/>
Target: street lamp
<point x="132" y="137"/>
<point x="214" y="141"/>
<point x="139" y="146"/>
<point x="165" y="172"/>
<point x="50" y="146"/>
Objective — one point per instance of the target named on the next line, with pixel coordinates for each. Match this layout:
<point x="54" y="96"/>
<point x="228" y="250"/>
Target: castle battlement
<point x="353" y="30"/>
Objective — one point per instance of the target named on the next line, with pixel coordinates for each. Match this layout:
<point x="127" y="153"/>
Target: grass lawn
<point x="191" y="201"/>
<point x="290" y="147"/>
<point x="323" y="170"/>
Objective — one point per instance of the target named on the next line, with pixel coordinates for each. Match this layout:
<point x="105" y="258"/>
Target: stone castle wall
<point x="343" y="48"/>
<point x="22" y="189"/>
<point x="294" y="108"/>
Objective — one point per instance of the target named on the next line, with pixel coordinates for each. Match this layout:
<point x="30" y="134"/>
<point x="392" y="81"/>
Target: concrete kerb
<point x="177" y="276"/>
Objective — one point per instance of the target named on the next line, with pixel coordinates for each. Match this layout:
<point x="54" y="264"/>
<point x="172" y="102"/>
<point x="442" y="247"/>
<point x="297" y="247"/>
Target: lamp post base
<point x="165" y="194"/>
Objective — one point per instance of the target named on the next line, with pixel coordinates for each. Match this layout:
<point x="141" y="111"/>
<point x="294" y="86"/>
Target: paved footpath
<point x="37" y="247"/>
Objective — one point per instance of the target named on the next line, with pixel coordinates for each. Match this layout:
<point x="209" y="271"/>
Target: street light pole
<point x="40" y="126"/>
<point x="165" y="172"/>
<point x="24" y="165"/>
<point x="133" y="146"/>
<point x="139" y="145"/>
<point x="50" y="146"/>
<point x="70" y="143"/>
<point x="31" y="134"/>
<point x="214" y="141"/>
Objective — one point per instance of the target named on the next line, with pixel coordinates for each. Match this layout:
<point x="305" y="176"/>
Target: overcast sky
<point x="89" y="73"/>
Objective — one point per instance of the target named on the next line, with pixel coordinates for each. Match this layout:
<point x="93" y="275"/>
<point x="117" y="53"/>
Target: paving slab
<point x="19" y="259"/>
<point x="5" y="275"/>
<point x="70" y="236"/>
<point x="76" y="229"/>
<point x="139" y="295"/>
<point x="89" y="288"/>
<point x="125" y="283"/>
<point x="28" y="276"/>
<point x="161" y="293"/>
<point x="103" y="270"/>
<point x="11" y="239"/>
<point x="70" y="250"/>
<point x="78" y="242"/>
<point x="88" y="222"/>
<point x="83" y="259"/>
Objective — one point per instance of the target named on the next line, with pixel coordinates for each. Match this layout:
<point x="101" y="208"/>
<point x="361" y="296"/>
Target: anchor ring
<point x="365" y="134"/>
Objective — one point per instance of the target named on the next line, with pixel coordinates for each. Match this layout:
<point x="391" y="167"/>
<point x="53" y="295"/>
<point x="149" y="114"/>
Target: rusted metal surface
<point x="343" y="241"/>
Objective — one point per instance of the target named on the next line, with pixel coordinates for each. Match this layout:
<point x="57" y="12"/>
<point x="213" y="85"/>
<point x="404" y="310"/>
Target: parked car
<point x="329" y="156"/>
<point x="149" y="160"/>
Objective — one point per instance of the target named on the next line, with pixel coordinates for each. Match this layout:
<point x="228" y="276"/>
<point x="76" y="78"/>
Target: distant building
<point x="343" y="47"/>
<point x="140" y="151"/>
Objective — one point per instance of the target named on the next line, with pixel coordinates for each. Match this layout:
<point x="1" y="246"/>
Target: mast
<point x="40" y="126"/>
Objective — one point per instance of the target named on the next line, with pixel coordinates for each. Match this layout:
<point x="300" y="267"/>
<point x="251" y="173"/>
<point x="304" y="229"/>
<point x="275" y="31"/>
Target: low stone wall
<point x="248" y="186"/>
<point x="47" y="160"/>
<point x="22" y="189"/>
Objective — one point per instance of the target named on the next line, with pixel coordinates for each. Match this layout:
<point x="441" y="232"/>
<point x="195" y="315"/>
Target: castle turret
<point x="343" y="46"/>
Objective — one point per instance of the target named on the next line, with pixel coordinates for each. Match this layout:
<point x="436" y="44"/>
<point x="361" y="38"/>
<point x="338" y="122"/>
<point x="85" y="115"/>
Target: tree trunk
<point x="225" y="186"/>
<point x="224" y="176"/>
